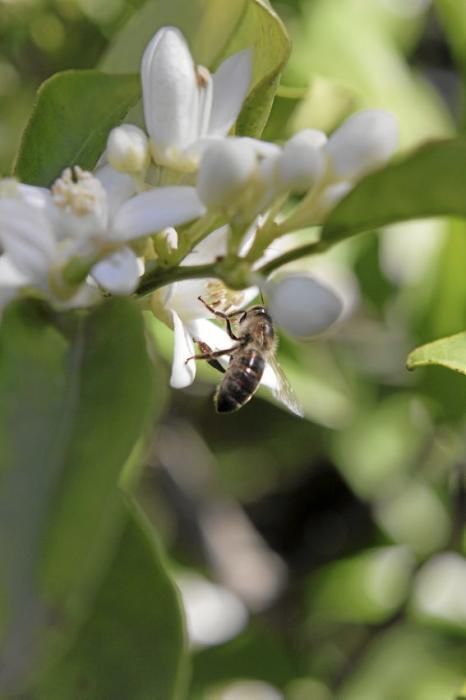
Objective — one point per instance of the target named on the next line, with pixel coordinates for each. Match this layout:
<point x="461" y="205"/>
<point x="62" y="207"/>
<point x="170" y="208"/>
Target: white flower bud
<point x="301" y="306"/>
<point x="302" y="162"/>
<point x="364" y="142"/>
<point x="128" y="149"/>
<point x="226" y="168"/>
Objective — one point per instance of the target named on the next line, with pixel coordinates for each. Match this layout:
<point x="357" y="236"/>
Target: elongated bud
<point x="301" y="306"/>
<point x="364" y="142"/>
<point x="302" y="162"/>
<point x="226" y="168"/>
<point x="128" y="149"/>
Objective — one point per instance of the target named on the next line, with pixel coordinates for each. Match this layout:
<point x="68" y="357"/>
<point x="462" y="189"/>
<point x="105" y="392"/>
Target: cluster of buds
<point x="95" y="233"/>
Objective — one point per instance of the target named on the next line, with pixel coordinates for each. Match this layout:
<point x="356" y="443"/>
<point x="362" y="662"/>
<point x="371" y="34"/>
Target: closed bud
<point x="302" y="162"/>
<point x="226" y="168"/>
<point x="128" y="149"/>
<point x="364" y="142"/>
<point x="301" y="306"/>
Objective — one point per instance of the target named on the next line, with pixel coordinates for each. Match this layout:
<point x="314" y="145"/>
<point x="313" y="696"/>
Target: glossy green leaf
<point x="132" y="646"/>
<point x="76" y="395"/>
<point x="214" y="29"/>
<point x="431" y="181"/>
<point x="447" y="352"/>
<point x="70" y="122"/>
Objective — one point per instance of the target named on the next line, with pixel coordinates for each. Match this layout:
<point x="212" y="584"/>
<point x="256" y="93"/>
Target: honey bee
<point x="254" y="349"/>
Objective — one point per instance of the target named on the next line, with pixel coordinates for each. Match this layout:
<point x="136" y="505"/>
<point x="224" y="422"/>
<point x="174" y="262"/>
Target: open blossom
<point x="184" y="105"/>
<point x="86" y="218"/>
<point x="300" y="305"/>
<point x="190" y="319"/>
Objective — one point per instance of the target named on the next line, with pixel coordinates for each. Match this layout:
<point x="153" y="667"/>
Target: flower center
<point x="78" y="191"/>
<point x="221" y="297"/>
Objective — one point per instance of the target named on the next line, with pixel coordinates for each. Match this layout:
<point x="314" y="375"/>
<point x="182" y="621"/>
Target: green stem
<point x="161" y="276"/>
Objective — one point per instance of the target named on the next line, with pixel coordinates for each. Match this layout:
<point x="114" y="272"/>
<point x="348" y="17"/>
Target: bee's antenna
<point x="262" y="297"/>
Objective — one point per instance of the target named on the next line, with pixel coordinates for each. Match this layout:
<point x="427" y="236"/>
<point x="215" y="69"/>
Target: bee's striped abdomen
<point x="241" y="381"/>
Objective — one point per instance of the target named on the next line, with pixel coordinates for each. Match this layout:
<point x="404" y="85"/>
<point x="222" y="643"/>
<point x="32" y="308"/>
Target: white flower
<point x="190" y="319"/>
<point x="85" y="218"/>
<point x="362" y="143"/>
<point x="183" y="103"/>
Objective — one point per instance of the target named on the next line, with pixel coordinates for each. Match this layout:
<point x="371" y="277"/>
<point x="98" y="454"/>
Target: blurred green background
<point x="336" y="544"/>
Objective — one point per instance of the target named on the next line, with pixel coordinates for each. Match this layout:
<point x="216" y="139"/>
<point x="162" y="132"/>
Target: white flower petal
<point x="11" y="281"/>
<point x="118" y="186"/>
<point x="213" y="335"/>
<point x="302" y="306"/>
<point x="230" y="86"/>
<point x="170" y="91"/>
<point x="37" y="196"/>
<point x="212" y="246"/>
<point x="10" y="276"/>
<point x="27" y="238"/>
<point x="118" y="273"/>
<point x="155" y="210"/>
<point x="183" y="299"/>
<point x="365" y="141"/>
<point x="183" y="372"/>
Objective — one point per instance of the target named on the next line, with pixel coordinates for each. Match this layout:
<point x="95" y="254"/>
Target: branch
<point x="161" y="276"/>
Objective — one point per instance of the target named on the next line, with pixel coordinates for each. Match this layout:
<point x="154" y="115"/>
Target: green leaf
<point x="431" y="181"/>
<point x="76" y="396"/>
<point x="132" y="645"/>
<point x="214" y="30"/>
<point x="447" y="352"/>
<point x="70" y="122"/>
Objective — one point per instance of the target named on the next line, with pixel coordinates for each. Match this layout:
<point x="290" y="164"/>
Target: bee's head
<point x="256" y="312"/>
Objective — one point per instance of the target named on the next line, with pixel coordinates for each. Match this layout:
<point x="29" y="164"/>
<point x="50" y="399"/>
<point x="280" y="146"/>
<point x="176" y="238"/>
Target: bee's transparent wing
<point x="282" y="389"/>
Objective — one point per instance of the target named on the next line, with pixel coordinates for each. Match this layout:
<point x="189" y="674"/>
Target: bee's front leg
<point x="209" y="355"/>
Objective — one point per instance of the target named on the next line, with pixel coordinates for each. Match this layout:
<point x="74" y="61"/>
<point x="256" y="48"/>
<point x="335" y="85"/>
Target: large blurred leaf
<point x="70" y="122"/>
<point x="431" y="181"/>
<point x="214" y="29"/>
<point x="448" y="352"/>
<point x="132" y="646"/>
<point x="76" y="394"/>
